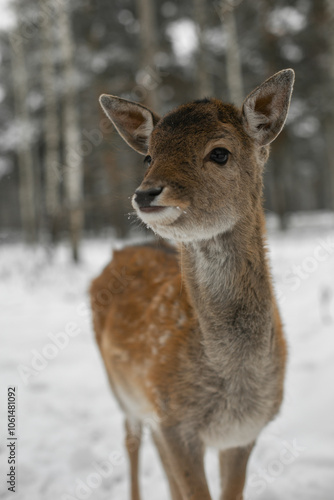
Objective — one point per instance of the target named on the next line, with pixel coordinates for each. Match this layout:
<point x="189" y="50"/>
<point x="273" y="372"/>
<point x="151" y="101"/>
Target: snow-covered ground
<point x="69" y="427"/>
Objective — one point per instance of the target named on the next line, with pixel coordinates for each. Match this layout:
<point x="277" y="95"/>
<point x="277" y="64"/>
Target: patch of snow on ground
<point x="69" y="427"/>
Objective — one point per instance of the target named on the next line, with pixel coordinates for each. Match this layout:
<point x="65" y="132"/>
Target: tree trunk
<point x="233" y="62"/>
<point x="329" y="121"/>
<point x="51" y="127"/>
<point x="73" y="171"/>
<point x="149" y="78"/>
<point x="279" y="163"/>
<point x="279" y="169"/>
<point x="204" y="80"/>
<point x="24" y="149"/>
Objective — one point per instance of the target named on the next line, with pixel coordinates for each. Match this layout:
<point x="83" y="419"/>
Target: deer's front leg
<point x="233" y="465"/>
<point x="186" y="463"/>
<point x="132" y="442"/>
<point x="173" y="486"/>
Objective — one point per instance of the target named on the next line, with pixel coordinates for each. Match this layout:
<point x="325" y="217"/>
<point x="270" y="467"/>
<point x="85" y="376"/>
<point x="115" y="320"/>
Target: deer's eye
<point x="219" y="155"/>
<point x="147" y="160"/>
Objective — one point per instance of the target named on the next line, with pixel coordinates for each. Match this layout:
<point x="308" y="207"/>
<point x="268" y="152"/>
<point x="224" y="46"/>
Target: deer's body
<point x="192" y="341"/>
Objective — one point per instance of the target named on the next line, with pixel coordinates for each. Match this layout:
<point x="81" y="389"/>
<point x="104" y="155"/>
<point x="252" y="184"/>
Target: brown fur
<point x="193" y="343"/>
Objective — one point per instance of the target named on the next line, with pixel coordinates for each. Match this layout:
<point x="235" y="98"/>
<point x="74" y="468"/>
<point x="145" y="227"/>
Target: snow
<point x="69" y="427"/>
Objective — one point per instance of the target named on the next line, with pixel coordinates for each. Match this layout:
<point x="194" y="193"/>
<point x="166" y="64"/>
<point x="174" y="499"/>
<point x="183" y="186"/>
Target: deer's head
<point x="204" y="159"/>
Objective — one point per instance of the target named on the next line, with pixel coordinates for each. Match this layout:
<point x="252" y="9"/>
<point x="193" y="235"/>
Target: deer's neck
<point x="229" y="285"/>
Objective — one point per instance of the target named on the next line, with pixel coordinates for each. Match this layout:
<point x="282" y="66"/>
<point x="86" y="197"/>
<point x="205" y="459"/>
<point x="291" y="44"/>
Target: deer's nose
<point x="145" y="197"/>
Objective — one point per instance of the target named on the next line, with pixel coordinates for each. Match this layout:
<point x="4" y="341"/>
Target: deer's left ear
<point x="265" y="110"/>
<point x="133" y="122"/>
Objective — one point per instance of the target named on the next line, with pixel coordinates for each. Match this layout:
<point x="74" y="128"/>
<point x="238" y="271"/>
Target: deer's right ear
<point x="133" y="121"/>
<point x="265" y="110"/>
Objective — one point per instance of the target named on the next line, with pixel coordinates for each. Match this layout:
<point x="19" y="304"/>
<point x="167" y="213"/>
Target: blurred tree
<point x="329" y="121"/>
<point x="233" y="60"/>
<point x="51" y="126"/>
<point x="203" y="76"/>
<point x="27" y="177"/>
<point x="147" y="76"/>
<point x="73" y="171"/>
<point x="280" y="159"/>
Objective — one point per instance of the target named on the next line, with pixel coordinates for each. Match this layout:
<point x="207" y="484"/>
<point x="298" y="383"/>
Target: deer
<point x="190" y="332"/>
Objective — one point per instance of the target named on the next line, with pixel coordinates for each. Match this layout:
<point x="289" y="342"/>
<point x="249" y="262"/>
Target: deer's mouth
<point x="157" y="215"/>
<point x="151" y="209"/>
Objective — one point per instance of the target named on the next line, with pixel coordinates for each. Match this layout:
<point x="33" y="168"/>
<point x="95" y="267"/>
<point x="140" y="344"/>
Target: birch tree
<point x="73" y="170"/>
<point x="203" y="77"/>
<point x="329" y="121"/>
<point x="51" y="126"/>
<point x="281" y="155"/>
<point x="233" y="61"/>
<point x="148" y="47"/>
<point x="24" y="140"/>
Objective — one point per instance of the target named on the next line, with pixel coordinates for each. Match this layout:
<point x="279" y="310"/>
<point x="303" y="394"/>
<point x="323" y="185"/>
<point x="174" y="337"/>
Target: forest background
<point x="64" y="172"/>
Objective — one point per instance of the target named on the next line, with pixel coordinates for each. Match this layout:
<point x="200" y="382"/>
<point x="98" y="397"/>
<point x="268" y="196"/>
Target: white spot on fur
<point x="163" y="338"/>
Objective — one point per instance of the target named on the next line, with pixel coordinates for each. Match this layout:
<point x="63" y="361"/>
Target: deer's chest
<point x="239" y="415"/>
<point x="226" y="432"/>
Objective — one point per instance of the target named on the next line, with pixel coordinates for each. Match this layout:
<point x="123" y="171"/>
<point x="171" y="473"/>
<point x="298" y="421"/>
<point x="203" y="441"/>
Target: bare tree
<point x="148" y="49"/>
<point x="280" y="163"/>
<point x="24" y="146"/>
<point x="233" y="61"/>
<point x="329" y="122"/>
<point x="73" y="172"/>
<point x="203" y="77"/>
<point x="51" y="125"/>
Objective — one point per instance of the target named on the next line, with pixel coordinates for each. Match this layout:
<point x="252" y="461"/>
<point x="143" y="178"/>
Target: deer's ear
<point x="265" y="110"/>
<point x="133" y="121"/>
